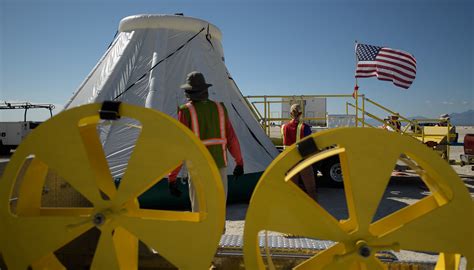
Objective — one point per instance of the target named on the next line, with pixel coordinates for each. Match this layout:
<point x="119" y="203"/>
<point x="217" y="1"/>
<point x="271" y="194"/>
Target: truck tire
<point x="4" y="150"/>
<point x="332" y="172"/>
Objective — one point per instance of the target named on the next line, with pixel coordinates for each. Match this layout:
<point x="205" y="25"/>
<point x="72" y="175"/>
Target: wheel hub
<point x="363" y="249"/>
<point x="99" y="219"/>
<point x="336" y="172"/>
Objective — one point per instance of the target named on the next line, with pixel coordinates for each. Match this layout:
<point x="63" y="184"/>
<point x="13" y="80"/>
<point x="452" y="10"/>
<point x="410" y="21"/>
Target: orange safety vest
<point x="210" y="141"/>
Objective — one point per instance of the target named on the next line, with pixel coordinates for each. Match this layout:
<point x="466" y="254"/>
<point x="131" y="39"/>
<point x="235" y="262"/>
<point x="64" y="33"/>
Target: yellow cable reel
<point x="69" y="145"/>
<point x="441" y="222"/>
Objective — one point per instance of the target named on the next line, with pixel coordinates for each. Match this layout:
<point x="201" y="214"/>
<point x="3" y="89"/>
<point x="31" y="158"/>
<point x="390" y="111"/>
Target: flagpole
<point x="356" y="88"/>
<point x="355" y="49"/>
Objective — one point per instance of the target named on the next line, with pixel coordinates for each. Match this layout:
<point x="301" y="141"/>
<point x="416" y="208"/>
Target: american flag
<point x="386" y="64"/>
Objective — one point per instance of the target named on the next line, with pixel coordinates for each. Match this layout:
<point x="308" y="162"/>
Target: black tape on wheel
<point x="110" y="110"/>
<point x="307" y="147"/>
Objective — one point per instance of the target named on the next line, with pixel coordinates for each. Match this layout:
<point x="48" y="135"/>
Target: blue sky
<point x="47" y="48"/>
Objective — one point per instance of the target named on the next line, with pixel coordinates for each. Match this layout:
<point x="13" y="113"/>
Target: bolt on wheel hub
<point x="363" y="249"/>
<point x="99" y="219"/>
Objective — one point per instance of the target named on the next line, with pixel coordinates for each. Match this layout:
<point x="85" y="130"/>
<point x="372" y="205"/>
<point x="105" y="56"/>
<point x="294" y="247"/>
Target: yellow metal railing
<point x="266" y="120"/>
<point x="414" y="128"/>
<point x="411" y="127"/>
<point x="404" y="119"/>
<point x="364" y="123"/>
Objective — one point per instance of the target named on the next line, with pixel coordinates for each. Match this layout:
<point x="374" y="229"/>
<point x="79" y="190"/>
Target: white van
<point x="12" y="133"/>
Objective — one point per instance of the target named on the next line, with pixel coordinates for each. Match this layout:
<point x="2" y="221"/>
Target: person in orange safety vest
<point x="209" y="121"/>
<point x="293" y="132"/>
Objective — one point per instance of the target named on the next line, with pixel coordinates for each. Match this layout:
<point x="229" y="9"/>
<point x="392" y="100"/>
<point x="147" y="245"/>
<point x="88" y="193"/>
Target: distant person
<point x="293" y="132"/>
<point x="443" y="120"/>
<point x="209" y="122"/>
<point x="393" y="123"/>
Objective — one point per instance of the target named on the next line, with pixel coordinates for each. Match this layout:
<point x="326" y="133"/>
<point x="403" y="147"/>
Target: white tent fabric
<point x="145" y="65"/>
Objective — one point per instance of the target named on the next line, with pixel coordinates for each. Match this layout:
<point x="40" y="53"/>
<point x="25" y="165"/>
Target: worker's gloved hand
<point x="238" y="170"/>
<point x="174" y="190"/>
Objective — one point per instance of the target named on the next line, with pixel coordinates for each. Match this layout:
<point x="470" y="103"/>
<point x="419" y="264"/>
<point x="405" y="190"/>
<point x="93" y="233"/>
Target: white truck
<point x="12" y="133"/>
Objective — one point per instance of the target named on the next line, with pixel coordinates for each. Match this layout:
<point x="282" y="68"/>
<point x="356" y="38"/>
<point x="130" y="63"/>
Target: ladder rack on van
<point x="26" y="106"/>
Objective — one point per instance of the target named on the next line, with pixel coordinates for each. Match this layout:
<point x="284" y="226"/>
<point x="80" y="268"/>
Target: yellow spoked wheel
<point x="69" y="145"/>
<point x="441" y="222"/>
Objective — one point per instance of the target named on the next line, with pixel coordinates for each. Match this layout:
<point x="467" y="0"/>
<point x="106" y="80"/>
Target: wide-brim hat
<point x="394" y="116"/>
<point x="195" y="81"/>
